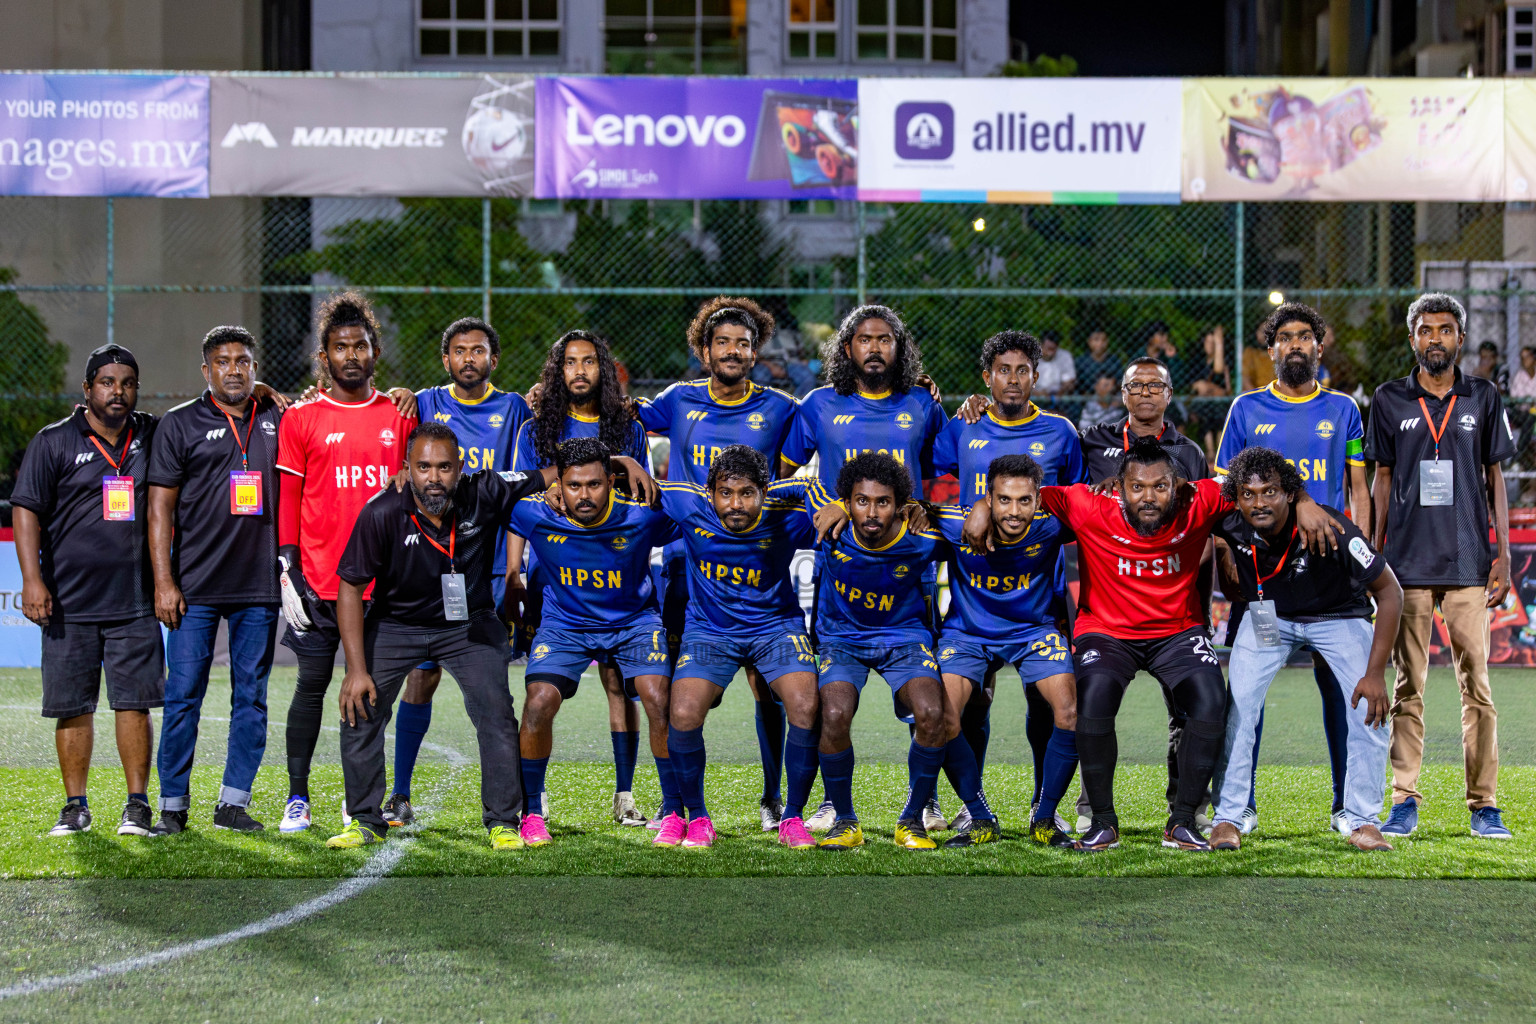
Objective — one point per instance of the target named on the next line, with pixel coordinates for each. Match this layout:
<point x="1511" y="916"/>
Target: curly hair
<point x="465" y="324"/>
<point x="879" y="468"/>
<point x="1010" y="341"/>
<point x="342" y="309"/>
<point x="582" y="451"/>
<point x="613" y="425"/>
<point x="738" y="460"/>
<point x="1263" y="464"/>
<point x="1018" y="465"/>
<point x="1287" y="312"/>
<point x="843" y="374"/>
<point x="1146" y="451"/>
<point x="1436" y="302"/>
<point x="725" y="309"/>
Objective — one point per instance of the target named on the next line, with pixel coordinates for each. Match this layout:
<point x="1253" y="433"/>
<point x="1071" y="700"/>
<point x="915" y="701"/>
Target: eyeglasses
<point x="1153" y="387"/>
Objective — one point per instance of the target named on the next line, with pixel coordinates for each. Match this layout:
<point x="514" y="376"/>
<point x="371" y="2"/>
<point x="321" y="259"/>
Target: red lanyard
<point x="1254" y="551"/>
<point x="245" y="462"/>
<point x="1125" y="434"/>
<point x="1437" y="434"/>
<point x="106" y="455"/>
<point x="452" y="532"/>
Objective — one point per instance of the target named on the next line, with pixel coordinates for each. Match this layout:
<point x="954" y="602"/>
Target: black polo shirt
<point x="97" y="569"/>
<point x="1439" y="545"/>
<point x="389" y="549"/>
<point x="1310" y="587"/>
<point x="217" y="556"/>
<point x="1105" y="443"/>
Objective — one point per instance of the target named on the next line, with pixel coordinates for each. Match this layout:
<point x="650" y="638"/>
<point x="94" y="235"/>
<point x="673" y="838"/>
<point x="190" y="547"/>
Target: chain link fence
<point x="1189" y="283"/>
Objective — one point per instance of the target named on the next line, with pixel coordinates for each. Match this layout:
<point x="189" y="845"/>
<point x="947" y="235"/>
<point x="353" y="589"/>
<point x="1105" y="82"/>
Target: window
<point x="1520" y="39"/>
<point x="812" y="29"/>
<point x="908" y="30"/>
<point x="488" y="28"/>
<point x="676" y="37"/>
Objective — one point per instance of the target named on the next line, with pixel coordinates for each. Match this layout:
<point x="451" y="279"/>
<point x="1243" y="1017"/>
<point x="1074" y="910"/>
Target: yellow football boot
<point x="844" y="834"/>
<point x="504" y="837"/>
<point x="353" y="836"/>
<point x="911" y="835"/>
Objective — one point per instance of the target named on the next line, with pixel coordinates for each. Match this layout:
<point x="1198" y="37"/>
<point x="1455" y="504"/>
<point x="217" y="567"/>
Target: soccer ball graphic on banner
<point x="498" y="136"/>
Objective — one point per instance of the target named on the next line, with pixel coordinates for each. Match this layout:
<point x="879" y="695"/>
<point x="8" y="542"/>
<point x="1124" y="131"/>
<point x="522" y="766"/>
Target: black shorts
<point x="1171" y="659"/>
<point x="75" y="654"/>
<point x="323" y="638"/>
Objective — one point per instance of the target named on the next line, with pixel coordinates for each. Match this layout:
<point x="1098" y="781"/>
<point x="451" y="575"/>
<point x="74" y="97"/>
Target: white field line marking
<point x="378" y="865"/>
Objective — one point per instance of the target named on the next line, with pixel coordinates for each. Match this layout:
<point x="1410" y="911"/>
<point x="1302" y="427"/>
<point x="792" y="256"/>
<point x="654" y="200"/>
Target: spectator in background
<point x="1486" y="365"/>
<point x="1213" y="377"/>
<point x="1323" y="376"/>
<point x="1096" y="362"/>
<point x="780" y="366"/>
<point x="1258" y="367"/>
<point x="1058" y="373"/>
<point x="1103" y="407"/>
<point x="1160" y="346"/>
<point x="1522" y="383"/>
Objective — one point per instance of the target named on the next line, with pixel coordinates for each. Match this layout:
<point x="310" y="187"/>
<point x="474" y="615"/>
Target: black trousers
<point x="474" y="653"/>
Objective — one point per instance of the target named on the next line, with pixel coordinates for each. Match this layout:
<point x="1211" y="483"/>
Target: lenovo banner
<point x="103" y="135"/>
<point x="1020" y="140"/>
<point x="353" y="136"/>
<point x="697" y="138"/>
<point x="1344" y="139"/>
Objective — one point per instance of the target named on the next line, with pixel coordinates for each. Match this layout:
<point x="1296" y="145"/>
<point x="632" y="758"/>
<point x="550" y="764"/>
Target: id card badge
<point x="1266" y="623"/>
<point x="244" y="493"/>
<point x="1436" y="485"/>
<point x="455" y="599"/>
<point x="117" y="498"/>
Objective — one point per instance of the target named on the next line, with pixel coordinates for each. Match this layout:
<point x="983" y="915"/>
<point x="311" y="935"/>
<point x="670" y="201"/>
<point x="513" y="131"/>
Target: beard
<point x="432" y="503"/>
<point x="1293" y="373"/>
<point x="1437" y="362"/>
<point x="874" y="381"/>
<point x="1144" y="528"/>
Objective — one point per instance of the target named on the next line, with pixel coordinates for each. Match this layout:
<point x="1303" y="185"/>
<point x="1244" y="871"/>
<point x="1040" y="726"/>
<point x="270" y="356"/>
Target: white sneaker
<point x="1203" y="820"/>
<point x="822" y="820"/>
<point x="1083" y="823"/>
<point x="295" y="816"/>
<point x="962" y="820"/>
<point x="624" y="810"/>
<point x="1339" y="822"/>
<point x="1247" y="821"/>
<point x="771" y="812"/>
<point x="933" y="816"/>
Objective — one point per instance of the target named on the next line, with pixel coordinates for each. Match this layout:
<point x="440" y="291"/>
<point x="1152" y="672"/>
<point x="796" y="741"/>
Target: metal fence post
<point x="1240" y="335"/>
<point x="111" y="294"/>
<point x="863" y="262"/>
<point x="485" y="259"/>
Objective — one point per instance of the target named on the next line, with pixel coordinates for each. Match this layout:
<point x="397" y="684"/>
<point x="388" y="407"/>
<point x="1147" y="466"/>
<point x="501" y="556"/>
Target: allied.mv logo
<point x="925" y="131"/>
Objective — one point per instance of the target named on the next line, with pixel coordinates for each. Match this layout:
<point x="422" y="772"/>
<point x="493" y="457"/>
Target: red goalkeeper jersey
<point x="345" y="454"/>
<point x="1133" y="587"/>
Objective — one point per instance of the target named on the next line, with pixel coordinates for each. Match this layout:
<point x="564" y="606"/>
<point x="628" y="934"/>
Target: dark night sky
<point x="1114" y="39"/>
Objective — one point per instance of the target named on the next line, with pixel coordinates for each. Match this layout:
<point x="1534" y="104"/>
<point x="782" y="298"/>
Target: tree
<point x="32" y="371"/>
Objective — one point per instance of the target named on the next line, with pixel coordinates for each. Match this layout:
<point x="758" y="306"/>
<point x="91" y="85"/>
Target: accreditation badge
<point x="1266" y="622"/>
<point x="244" y="493"/>
<point x="117" y="499"/>
<point x="455" y="597"/>
<point x="1437" y="484"/>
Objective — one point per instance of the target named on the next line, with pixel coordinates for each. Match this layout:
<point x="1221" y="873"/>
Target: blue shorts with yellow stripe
<point x="1035" y="651"/>
<point x="716" y="657"/>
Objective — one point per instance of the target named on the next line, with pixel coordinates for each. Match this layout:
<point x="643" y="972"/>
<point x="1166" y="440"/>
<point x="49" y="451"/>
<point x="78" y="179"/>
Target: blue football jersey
<point x="876" y="595"/>
<point x="525" y="457"/>
<point x="698" y="425"/>
<point x="967" y="449"/>
<point x="991" y="596"/>
<point x="598" y="576"/>
<point x="740" y="583"/>
<point x="838" y="427"/>
<point x="485" y="429"/>
<point x="1321" y="435"/>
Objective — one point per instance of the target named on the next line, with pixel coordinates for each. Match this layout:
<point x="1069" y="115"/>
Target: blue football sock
<point x="923" y="765"/>
<point x="81" y="800"/>
<point x="1060" y="763"/>
<point x="626" y="750"/>
<point x="533" y="783"/>
<point x="976" y="727"/>
<point x="960" y="768"/>
<point x="800" y="765"/>
<point x="671" y="798"/>
<point x="837" y="777"/>
<point x="1039" y="720"/>
<point x="142" y="798"/>
<point x="770" y="745"/>
<point x="686" y="748"/>
<point x="411" y="724"/>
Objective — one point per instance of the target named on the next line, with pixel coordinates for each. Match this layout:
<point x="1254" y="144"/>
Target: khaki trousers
<point x="1465" y="612"/>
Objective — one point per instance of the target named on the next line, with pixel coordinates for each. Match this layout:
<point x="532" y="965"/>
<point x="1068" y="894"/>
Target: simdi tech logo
<point x="925" y="131"/>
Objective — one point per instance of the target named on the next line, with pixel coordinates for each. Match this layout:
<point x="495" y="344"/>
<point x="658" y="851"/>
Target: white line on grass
<point x="378" y="865"/>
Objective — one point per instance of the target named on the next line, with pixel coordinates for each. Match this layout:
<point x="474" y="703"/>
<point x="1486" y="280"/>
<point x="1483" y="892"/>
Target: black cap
<point x="108" y="354"/>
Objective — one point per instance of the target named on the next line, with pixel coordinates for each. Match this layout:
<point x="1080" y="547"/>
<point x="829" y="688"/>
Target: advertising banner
<point x="461" y="136"/>
<point x="1020" y="140"/>
<point x="1519" y="139"/>
<point x="21" y="642"/>
<point x="697" y="138"/>
<point x="103" y="135"/>
<point x="1343" y="139"/>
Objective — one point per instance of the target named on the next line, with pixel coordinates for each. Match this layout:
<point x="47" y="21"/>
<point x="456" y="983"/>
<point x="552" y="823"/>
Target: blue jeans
<point x="188" y="655"/>
<point x="1345" y="645"/>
